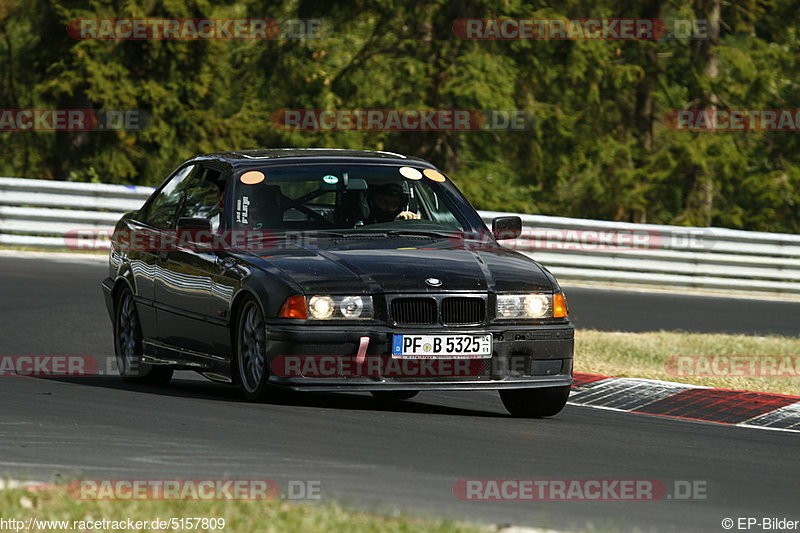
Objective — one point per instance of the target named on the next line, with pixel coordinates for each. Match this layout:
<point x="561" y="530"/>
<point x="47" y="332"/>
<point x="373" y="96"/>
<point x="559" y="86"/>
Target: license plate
<point x="433" y="346"/>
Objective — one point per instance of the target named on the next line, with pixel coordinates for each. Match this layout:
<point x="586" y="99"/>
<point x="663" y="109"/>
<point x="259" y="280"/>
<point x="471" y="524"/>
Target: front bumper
<point x="528" y="356"/>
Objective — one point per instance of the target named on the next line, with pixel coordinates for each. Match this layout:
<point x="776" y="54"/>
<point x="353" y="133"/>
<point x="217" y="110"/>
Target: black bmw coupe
<point x="333" y="270"/>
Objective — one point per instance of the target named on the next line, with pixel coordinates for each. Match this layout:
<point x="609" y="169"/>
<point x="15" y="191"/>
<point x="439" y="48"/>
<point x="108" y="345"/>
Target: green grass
<point x="240" y="516"/>
<point x="645" y="355"/>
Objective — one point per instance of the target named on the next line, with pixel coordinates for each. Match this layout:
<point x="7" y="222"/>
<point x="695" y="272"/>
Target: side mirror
<point x="193" y="224"/>
<point x="506" y="228"/>
<point x="198" y="229"/>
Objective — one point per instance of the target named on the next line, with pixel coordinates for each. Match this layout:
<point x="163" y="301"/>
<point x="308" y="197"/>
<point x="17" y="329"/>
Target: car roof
<point x="339" y="155"/>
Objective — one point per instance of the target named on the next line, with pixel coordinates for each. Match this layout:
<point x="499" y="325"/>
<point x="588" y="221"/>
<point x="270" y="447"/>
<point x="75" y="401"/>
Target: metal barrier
<point x="41" y="213"/>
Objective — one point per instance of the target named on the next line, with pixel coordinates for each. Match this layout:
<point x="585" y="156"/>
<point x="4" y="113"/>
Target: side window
<point x="163" y="209"/>
<point x="204" y="196"/>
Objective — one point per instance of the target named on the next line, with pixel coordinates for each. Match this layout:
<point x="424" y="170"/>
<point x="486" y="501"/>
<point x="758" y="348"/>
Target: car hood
<point x="380" y="265"/>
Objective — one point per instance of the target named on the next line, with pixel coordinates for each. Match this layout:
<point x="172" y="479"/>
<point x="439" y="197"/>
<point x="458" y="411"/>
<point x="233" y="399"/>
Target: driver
<point x="388" y="202"/>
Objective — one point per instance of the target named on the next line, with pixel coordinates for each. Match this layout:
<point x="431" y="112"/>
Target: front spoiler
<point x="366" y="385"/>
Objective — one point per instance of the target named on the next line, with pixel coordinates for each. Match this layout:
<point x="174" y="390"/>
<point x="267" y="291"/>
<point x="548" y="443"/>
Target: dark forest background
<point x="599" y="146"/>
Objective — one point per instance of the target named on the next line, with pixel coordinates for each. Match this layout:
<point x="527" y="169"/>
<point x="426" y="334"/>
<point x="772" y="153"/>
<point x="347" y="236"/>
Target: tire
<point x="535" y="403"/>
<point x="252" y="370"/>
<point x="393" y="395"/>
<point x="128" y="345"/>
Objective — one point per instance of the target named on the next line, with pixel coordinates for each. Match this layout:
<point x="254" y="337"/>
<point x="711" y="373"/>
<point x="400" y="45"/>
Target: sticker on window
<point x="252" y="177"/>
<point x="434" y="175"/>
<point x="330" y="179"/>
<point x="242" y="209"/>
<point x="411" y="173"/>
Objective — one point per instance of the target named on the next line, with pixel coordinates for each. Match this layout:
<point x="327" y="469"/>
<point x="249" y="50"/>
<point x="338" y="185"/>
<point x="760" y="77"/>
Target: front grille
<point x="450" y="311"/>
<point x="415" y="311"/>
<point x="463" y="310"/>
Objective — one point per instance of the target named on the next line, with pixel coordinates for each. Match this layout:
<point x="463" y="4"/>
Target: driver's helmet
<point x="387" y="200"/>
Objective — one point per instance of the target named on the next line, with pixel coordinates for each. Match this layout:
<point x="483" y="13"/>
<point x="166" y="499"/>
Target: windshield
<point x="346" y="198"/>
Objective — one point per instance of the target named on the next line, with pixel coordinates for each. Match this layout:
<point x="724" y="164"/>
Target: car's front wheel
<point x="128" y="345"/>
<point x="535" y="403"/>
<point x="251" y="358"/>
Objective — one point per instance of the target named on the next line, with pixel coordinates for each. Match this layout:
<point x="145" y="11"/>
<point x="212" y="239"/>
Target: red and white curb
<point x="688" y="402"/>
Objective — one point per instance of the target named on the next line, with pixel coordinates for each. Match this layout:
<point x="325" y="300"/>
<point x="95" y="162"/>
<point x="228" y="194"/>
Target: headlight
<point x="352" y="306"/>
<point x="526" y="306"/>
<point x="321" y="307"/>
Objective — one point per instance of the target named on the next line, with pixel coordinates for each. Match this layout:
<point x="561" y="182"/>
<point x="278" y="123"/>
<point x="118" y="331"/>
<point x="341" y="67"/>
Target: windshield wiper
<point x="326" y="233"/>
<point x="367" y="233"/>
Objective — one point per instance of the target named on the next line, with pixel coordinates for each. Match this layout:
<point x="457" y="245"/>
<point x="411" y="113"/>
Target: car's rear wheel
<point x="251" y="354"/>
<point x="128" y="345"/>
<point x="535" y="403"/>
<point x="393" y="395"/>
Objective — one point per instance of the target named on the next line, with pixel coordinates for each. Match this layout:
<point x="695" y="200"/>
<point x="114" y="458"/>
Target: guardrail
<point x="41" y="213"/>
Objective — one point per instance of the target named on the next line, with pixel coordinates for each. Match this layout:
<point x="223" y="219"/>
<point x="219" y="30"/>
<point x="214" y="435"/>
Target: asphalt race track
<point x="408" y="456"/>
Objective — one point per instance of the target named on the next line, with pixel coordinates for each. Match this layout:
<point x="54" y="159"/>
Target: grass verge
<point x="239" y="516"/>
<point x="652" y="356"/>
